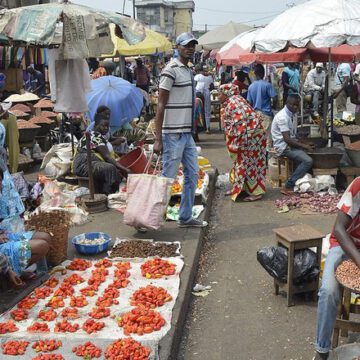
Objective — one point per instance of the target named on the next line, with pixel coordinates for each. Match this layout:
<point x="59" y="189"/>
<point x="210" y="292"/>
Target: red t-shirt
<point x="350" y="205"/>
<point x="242" y="86"/>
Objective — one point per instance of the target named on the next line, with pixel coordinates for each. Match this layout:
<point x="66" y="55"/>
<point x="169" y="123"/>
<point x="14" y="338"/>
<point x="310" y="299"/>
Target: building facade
<point x="169" y="18"/>
<point x="10" y="4"/>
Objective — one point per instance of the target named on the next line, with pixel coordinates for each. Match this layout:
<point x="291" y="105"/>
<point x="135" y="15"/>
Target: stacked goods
<point x="48" y="114"/>
<point x="41" y="120"/>
<point x="56" y="223"/>
<point x="19" y="113"/>
<point x="348" y="274"/>
<point x="21" y="107"/>
<point x="23" y="124"/>
<point x="44" y="104"/>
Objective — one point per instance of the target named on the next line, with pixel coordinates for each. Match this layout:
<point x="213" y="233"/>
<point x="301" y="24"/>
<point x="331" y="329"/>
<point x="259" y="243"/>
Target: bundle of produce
<point x="44" y="104"/>
<point x="21" y="107"/>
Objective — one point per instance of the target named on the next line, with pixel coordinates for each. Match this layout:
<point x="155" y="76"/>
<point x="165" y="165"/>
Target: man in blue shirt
<point x="37" y="82"/>
<point x="342" y="79"/>
<point x="260" y="94"/>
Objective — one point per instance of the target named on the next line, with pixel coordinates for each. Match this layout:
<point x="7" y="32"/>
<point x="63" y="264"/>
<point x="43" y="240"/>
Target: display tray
<point x="355" y="291"/>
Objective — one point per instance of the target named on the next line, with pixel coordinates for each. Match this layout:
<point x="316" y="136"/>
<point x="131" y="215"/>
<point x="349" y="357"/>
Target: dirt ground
<point x="241" y="318"/>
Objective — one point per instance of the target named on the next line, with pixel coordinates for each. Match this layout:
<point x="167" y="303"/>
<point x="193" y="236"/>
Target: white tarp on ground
<point x="320" y="23"/>
<point x="111" y="331"/>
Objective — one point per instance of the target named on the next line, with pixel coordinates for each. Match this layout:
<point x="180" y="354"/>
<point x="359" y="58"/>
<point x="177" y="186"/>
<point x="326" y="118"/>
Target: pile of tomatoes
<point x="27" y="303"/>
<point x="141" y="321"/>
<point x="13" y="347"/>
<point x="73" y="279"/>
<point x="106" y="263"/>
<point x="99" y="313"/>
<point x="47" y="315"/>
<point x="65" y="326"/>
<point x="49" y="357"/>
<point x="43" y="292"/>
<point x="150" y="297"/>
<point x="8" y="327"/>
<point x="64" y="290"/>
<point x="78" y="301"/>
<point x="90" y="290"/>
<point x="52" y="282"/>
<point x="46" y="345"/>
<point x="127" y="349"/>
<point x="87" y="350"/>
<point x="79" y="265"/>
<point x="157" y="268"/>
<point x="98" y="276"/>
<point x="56" y="302"/>
<point x="38" y="327"/>
<point x="104" y="301"/>
<point x="92" y="326"/>
<point x="121" y="275"/>
<point x="70" y="313"/>
<point x="19" y="314"/>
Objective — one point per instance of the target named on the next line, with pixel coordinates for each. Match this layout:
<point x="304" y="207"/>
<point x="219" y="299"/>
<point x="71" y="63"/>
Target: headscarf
<point x="229" y="89"/>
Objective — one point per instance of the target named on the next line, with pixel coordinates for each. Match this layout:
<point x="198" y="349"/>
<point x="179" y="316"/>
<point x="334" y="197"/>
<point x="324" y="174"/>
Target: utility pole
<point x="134" y="15"/>
<point x="205" y="27"/>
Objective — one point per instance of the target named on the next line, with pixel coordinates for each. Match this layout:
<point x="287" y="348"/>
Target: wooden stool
<point x="293" y="238"/>
<point x="284" y="161"/>
<point x="343" y="324"/>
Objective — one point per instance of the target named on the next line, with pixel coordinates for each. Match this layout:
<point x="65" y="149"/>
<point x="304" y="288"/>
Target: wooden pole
<point x="90" y="174"/>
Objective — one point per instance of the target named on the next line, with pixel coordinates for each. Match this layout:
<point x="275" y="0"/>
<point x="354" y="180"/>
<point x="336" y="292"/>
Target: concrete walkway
<point x="242" y="319"/>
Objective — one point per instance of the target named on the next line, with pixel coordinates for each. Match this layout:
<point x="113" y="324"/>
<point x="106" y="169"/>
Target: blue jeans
<point x="181" y="148"/>
<point x="304" y="164"/>
<point x="329" y="298"/>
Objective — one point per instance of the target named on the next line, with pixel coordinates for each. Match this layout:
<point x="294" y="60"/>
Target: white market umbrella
<point x="316" y="23"/>
<point x="218" y="37"/>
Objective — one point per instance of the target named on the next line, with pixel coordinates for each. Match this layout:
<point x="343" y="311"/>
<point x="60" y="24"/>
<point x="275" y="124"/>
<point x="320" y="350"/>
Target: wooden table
<point x="298" y="237"/>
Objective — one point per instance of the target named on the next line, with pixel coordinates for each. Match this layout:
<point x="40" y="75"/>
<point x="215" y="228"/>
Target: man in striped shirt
<point x="175" y="125"/>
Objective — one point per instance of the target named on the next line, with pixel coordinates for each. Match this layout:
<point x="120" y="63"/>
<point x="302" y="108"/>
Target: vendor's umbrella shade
<point x="82" y="31"/>
<point x="152" y="44"/>
<point x="316" y="23"/>
<point x="123" y="99"/>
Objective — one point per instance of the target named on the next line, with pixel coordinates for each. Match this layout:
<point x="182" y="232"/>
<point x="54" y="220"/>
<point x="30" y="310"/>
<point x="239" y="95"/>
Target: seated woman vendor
<point x="21" y="248"/>
<point x="107" y="172"/>
<point x="119" y="143"/>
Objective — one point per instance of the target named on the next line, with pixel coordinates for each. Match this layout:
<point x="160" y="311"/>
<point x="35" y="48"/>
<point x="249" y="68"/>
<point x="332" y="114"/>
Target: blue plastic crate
<point x="91" y="249"/>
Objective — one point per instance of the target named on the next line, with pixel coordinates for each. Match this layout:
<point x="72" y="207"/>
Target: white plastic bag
<point x="57" y="161"/>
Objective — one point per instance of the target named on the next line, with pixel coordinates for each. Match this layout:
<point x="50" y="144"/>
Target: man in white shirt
<point x="283" y="132"/>
<point x="315" y="84"/>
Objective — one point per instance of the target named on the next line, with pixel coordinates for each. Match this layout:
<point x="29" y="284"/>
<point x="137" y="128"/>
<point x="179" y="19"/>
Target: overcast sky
<point x="214" y="12"/>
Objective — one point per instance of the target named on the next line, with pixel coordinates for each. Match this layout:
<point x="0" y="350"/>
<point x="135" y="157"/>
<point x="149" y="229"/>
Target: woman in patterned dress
<point x="107" y="172"/>
<point x="246" y="143"/>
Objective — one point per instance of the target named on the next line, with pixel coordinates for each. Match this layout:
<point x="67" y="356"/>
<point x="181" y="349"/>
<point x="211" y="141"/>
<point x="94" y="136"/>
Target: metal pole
<point x="72" y="136"/>
<point x="90" y="173"/>
<point x="134" y="15"/>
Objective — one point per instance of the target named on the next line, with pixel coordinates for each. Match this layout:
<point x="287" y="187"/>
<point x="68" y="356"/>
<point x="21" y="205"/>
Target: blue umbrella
<point x="124" y="99"/>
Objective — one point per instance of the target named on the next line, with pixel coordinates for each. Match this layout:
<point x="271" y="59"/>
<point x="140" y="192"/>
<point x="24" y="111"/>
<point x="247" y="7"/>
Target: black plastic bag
<point x="274" y="260"/>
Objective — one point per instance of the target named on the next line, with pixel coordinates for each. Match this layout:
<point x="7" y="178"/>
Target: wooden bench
<point x="298" y="237"/>
<point x="343" y="323"/>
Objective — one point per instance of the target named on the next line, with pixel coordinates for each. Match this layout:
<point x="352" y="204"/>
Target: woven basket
<point x="57" y="224"/>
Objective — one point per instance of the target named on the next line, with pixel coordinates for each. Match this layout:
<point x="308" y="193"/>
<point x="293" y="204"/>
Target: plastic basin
<point x="134" y="160"/>
<point x="88" y="248"/>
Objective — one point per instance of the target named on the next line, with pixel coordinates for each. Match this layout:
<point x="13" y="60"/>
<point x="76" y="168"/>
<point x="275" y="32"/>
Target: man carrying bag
<point x="175" y="124"/>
